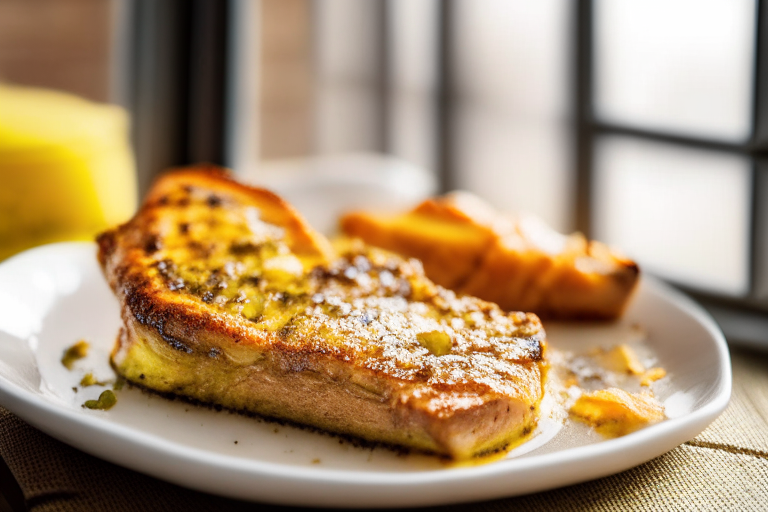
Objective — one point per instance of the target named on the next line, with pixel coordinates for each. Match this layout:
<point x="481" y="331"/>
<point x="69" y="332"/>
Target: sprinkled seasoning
<point x="74" y="353"/>
<point x="89" y="380"/>
<point x="106" y="401"/>
<point x="119" y="383"/>
<point x="366" y="305"/>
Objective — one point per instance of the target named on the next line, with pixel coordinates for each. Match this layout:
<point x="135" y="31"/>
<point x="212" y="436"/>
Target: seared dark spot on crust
<point x="254" y="280"/>
<point x="141" y="376"/>
<point x="107" y="245"/>
<point x="628" y="276"/>
<point x="243" y="248"/>
<point x="152" y="244"/>
<point x="286" y="331"/>
<point x="200" y="249"/>
<point x="423" y="373"/>
<point x="184" y="228"/>
<point x="181" y="347"/>
<point x="320" y="272"/>
<point x="213" y="201"/>
<point x="295" y="362"/>
<point x="534" y="346"/>
<point x="148" y="314"/>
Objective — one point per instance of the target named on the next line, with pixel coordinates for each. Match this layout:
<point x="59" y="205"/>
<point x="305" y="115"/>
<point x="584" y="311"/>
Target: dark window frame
<point x="751" y="308"/>
<point x="178" y="61"/>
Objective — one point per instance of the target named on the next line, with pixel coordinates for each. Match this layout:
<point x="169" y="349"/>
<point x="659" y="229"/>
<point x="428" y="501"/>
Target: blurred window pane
<point x="412" y="55"/>
<point x="683" y="213"/>
<point x="678" y="66"/>
<point x="516" y="164"/>
<point x="512" y="135"/>
<point x="512" y="131"/>
<point x="347" y="61"/>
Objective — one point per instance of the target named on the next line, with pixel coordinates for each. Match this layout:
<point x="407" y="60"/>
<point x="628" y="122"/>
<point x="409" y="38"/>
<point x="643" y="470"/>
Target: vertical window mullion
<point x="584" y="122"/>
<point x="445" y="161"/>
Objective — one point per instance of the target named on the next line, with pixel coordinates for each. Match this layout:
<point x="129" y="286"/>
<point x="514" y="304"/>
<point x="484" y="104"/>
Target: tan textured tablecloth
<point x="724" y="468"/>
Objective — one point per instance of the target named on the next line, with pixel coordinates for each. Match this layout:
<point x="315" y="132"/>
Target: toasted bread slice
<point x="518" y="263"/>
<point x="230" y="298"/>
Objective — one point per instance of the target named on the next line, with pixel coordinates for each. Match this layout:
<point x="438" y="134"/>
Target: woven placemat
<point x="724" y="468"/>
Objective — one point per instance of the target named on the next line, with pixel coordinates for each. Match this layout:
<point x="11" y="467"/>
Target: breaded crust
<point x="229" y="297"/>
<point x="516" y="262"/>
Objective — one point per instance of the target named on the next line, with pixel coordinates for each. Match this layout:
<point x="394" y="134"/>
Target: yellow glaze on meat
<point x="230" y="298"/>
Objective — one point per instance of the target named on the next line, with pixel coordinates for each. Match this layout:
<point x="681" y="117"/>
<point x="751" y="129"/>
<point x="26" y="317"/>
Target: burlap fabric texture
<point x="724" y="468"/>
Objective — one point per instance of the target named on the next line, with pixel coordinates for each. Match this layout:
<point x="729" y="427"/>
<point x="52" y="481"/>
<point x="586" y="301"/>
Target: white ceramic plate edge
<point x="268" y="482"/>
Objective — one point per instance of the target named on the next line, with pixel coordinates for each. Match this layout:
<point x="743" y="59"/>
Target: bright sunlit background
<point x="640" y="123"/>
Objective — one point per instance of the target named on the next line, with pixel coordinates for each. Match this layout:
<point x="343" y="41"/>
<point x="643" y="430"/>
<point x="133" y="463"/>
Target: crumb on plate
<point x="614" y="412"/>
<point x="77" y="351"/>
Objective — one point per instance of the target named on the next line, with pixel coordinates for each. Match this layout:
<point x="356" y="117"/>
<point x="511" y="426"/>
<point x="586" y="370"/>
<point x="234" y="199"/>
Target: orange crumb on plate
<point x="652" y="376"/>
<point x="614" y="412"/>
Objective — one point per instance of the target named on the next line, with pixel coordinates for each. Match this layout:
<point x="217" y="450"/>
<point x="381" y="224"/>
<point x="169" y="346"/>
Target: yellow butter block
<point x="66" y="168"/>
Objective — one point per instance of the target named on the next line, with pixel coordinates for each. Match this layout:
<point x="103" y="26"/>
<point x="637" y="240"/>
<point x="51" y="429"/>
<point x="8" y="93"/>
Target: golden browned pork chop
<point x="230" y="298"/>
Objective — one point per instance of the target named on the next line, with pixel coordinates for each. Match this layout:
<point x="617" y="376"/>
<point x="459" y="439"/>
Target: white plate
<point x="52" y="296"/>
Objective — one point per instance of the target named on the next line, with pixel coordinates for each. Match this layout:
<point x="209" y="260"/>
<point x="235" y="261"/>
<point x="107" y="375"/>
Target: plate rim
<point x="33" y="407"/>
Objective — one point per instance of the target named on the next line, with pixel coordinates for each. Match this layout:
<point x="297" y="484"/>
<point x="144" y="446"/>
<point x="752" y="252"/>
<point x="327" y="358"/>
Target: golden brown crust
<point x="301" y="238"/>
<point x="229" y="297"/>
<point x="517" y="263"/>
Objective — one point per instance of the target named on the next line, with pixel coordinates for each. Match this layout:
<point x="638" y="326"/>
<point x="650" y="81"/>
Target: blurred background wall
<point x="644" y="124"/>
<point x="65" y="45"/>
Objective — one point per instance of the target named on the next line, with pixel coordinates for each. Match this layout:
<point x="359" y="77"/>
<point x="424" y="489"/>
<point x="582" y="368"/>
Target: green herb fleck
<point x="89" y="380"/>
<point x="77" y="351"/>
<point x="119" y="383"/>
<point x="106" y="401"/>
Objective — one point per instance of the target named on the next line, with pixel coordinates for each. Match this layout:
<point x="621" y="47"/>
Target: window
<point x="672" y="134"/>
<point x="643" y="124"/>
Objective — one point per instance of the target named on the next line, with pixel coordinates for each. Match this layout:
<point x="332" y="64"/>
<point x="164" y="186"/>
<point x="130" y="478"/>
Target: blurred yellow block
<point x="66" y="168"/>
